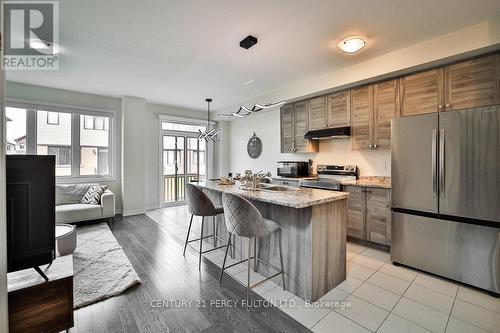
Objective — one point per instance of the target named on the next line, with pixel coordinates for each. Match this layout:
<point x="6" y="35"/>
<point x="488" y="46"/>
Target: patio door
<point x="183" y="160"/>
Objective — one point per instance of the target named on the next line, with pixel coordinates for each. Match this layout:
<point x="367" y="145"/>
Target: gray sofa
<point x="70" y="210"/>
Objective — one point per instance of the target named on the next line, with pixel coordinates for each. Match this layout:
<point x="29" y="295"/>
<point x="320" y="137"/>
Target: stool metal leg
<point x="255" y="254"/>
<point x="201" y="242"/>
<point x="281" y="260"/>
<point x="248" y="271"/>
<point x="233" y="252"/>
<point x="187" y="236"/>
<point x="224" y="261"/>
<point x="214" y="231"/>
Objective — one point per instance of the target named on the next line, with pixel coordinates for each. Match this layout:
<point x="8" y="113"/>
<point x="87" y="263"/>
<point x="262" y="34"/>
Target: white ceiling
<point x="179" y="52"/>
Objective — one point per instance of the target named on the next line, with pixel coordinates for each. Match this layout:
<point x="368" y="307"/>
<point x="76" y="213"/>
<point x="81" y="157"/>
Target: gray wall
<point x="136" y="138"/>
<point x="3" y="225"/>
<point x="20" y="91"/>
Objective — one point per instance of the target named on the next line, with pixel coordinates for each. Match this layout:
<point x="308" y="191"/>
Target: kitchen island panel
<point x="313" y="243"/>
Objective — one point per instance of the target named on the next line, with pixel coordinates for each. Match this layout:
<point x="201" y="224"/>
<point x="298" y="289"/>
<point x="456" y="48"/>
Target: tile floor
<point x="382" y="297"/>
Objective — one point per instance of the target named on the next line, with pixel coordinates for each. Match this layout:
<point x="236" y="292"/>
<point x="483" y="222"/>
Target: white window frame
<point x="161" y="132"/>
<point x="31" y="135"/>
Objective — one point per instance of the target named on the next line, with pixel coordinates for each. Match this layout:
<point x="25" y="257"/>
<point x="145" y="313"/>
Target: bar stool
<point x="199" y="204"/>
<point x="245" y="220"/>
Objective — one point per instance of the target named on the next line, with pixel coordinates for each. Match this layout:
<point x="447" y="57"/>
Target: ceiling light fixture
<point x="243" y="111"/>
<point x="352" y="44"/>
<point x="209" y="134"/>
<point x="44" y="46"/>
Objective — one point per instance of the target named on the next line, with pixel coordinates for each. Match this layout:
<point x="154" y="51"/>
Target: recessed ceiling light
<point x="352" y="44"/>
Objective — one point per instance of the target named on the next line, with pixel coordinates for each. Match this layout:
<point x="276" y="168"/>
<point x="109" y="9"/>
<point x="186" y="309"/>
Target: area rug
<point x="101" y="268"/>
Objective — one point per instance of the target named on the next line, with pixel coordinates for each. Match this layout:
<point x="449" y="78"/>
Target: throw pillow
<point x="93" y="195"/>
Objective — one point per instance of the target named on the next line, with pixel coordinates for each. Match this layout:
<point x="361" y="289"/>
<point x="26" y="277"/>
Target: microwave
<point x="292" y="169"/>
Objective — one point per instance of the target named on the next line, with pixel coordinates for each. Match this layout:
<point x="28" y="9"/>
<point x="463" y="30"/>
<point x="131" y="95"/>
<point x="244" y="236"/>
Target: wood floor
<point x="167" y="276"/>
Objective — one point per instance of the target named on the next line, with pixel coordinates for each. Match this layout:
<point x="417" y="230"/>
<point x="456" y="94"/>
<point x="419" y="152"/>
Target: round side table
<point x="65" y="238"/>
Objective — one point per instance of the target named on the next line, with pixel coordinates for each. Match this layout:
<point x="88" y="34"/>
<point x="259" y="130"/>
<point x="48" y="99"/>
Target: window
<point x="89" y="122"/>
<point x="79" y="140"/>
<point x="96" y="123"/>
<point x="168" y="126"/>
<point x="94" y="146"/>
<point x="51" y="137"/>
<point x="62" y="154"/>
<point x="52" y="118"/>
<point x="16" y="130"/>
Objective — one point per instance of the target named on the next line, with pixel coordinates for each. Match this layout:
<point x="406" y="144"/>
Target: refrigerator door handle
<point x="441" y="162"/>
<point x="433" y="164"/>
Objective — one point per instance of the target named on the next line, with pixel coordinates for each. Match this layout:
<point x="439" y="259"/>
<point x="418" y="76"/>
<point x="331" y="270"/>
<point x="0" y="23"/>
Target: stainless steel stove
<point x="330" y="177"/>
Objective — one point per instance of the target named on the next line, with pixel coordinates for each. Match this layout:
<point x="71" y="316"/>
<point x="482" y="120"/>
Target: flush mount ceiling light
<point x="243" y="111"/>
<point x="352" y="44"/>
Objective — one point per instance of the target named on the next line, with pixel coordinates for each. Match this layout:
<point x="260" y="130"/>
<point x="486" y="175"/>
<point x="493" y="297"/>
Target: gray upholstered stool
<point x="201" y="205"/>
<point x="244" y="219"/>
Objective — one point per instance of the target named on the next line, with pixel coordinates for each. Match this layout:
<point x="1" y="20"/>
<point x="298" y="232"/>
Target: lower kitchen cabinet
<point x="369" y="214"/>
<point x="378" y="215"/>
<point x="355" y="212"/>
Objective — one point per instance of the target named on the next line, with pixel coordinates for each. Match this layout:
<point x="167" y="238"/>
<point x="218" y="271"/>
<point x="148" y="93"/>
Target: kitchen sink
<point x="276" y="188"/>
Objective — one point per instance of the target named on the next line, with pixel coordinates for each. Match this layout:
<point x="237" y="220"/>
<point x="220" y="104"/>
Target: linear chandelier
<point x="209" y="134"/>
<point x="243" y="111"/>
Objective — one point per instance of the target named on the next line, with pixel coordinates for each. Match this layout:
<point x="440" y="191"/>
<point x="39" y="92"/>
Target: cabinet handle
<point x="375" y="146"/>
<point x="370" y="146"/>
<point x="368" y="191"/>
<point x="448" y="105"/>
<point x="440" y="107"/>
<point x="326" y="125"/>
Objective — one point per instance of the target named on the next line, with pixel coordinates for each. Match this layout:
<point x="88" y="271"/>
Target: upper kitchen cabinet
<point x="287" y="128"/>
<point x="422" y="92"/>
<point x="362" y="117"/>
<point x="386" y="107"/>
<point x="472" y="83"/>
<point x="294" y="125"/>
<point x="339" y="109"/>
<point x="372" y="108"/>
<point x="317" y="113"/>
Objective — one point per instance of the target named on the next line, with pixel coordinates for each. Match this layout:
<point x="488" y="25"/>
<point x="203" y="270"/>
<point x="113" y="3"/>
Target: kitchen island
<point x="314" y="231"/>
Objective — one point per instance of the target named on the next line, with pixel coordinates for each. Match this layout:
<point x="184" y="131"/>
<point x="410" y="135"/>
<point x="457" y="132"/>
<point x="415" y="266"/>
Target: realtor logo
<point x="30" y="35"/>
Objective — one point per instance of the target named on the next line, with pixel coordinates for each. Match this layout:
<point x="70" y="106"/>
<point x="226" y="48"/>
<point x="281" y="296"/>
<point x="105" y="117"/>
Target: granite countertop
<point x="370" y="181"/>
<point x="295" y="197"/>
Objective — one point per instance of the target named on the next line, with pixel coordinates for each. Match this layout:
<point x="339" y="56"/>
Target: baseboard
<point x="152" y="207"/>
<point x="133" y="212"/>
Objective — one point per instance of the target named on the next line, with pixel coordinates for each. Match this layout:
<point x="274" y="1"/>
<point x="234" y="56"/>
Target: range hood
<point x="329" y="133"/>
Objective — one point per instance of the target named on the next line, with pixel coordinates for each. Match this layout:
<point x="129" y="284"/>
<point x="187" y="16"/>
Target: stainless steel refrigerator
<point x="446" y="195"/>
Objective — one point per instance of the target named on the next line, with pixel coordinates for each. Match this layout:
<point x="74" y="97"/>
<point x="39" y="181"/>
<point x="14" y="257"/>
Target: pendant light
<point x="243" y="111"/>
<point x="214" y="133"/>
